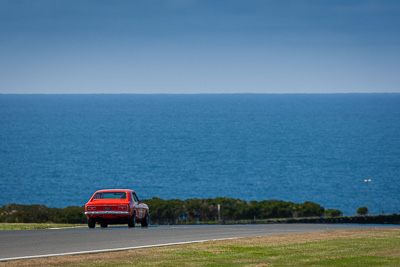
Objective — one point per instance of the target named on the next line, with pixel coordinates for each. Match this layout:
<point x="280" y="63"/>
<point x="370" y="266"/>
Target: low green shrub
<point x="333" y="213"/>
<point x="362" y="210"/>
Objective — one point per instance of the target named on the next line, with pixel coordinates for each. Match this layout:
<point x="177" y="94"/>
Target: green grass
<point x="343" y="252"/>
<point x="367" y="251"/>
<point x="34" y="226"/>
<point x="378" y="247"/>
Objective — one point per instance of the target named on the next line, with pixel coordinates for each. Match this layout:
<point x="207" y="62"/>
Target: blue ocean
<point x="57" y="150"/>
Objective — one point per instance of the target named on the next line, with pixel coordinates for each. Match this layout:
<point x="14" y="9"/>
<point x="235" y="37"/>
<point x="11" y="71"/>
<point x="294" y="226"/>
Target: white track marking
<point x="110" y="250"/>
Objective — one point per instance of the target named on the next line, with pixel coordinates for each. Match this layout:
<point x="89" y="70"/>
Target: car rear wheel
<point x="132" y="221"/>
<point x="145" y="221"/>
<point x="91" y="223"/>
<point x="104" y="225"/>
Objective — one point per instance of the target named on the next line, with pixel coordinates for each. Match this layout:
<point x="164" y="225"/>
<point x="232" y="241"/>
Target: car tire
<point x="145" y="221"/>
<point x="132" y="221"/>
<point x="104" y="225"/>
<point x="91" y="222"/>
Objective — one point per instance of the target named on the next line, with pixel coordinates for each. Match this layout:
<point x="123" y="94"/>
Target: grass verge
<point x="34" y="226"/>
<point x="377" y="247"/>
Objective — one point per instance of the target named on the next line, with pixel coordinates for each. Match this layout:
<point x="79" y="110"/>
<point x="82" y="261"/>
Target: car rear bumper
<point x="107" y="212"/>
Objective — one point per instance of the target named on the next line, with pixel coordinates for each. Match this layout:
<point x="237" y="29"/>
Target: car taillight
<point x="91" y="208"/>
<point x="124" y="207"/>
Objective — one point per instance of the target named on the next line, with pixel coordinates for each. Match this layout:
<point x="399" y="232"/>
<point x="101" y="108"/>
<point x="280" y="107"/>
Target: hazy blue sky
<point x="199" y="46"/>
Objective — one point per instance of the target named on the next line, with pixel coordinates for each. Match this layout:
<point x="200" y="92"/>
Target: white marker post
<point x="367" y="181"/>
<point x="219" y="213"/>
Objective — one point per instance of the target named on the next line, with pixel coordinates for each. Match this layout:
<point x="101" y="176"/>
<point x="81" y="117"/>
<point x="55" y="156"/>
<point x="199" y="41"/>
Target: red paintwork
<point x="116" y="211"/>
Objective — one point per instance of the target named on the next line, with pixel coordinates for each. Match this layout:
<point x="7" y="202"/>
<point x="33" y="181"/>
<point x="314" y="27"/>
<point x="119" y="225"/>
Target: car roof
<point x="115" y="190"/>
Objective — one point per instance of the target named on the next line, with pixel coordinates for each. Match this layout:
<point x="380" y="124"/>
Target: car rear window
<point x="110" y="195"/>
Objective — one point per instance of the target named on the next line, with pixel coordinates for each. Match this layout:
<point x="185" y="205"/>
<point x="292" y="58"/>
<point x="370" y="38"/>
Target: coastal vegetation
<point x="16" y="213"/>
<point x="220" y="210"/>
<point x="173" y="211"/>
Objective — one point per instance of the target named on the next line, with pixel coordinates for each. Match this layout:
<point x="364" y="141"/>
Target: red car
<point x="116" y="206"/>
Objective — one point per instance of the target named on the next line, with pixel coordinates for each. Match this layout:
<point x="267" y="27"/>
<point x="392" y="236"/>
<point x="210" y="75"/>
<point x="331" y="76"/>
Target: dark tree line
<point x="175" y="211"/>
<point x="15" y="213"/>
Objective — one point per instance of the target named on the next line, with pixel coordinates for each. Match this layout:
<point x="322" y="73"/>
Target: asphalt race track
<point x="56" y="242"/>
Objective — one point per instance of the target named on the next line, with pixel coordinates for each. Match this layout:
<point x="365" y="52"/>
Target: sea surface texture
<point x="58" y="149"/>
